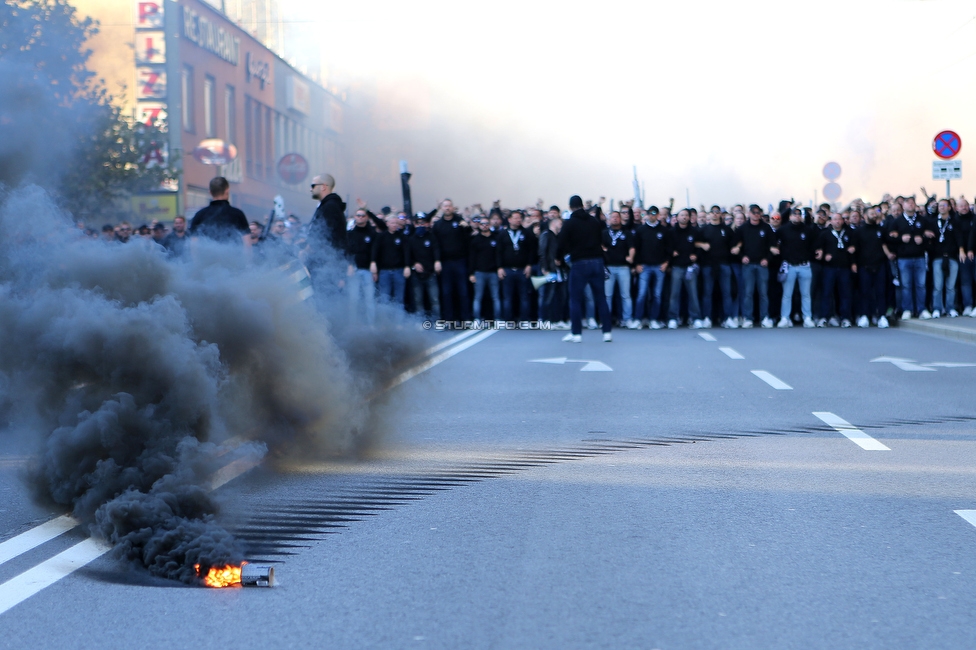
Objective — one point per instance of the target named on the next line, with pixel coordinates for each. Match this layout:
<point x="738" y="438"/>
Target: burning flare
<point x="224" y="576"/>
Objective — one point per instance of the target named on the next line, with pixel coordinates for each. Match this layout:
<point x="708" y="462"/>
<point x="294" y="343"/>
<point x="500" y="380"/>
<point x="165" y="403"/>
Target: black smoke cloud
<point x="133" y="372"/>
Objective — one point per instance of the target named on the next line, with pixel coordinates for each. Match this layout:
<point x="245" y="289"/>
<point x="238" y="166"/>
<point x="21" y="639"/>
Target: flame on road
<point x="225" y="576"/>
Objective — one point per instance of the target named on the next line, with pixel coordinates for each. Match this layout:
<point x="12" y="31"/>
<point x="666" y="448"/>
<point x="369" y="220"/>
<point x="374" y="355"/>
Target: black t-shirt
<point x="220" y="221"/>
<point x="617" y="244"/>
<point x="684" y="240"/>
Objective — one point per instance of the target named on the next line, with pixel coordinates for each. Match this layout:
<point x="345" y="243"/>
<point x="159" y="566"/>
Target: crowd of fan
<point x="865" y="264"/>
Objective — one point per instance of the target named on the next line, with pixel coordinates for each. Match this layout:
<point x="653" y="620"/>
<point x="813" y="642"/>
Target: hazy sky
<point x="734" y="101"/>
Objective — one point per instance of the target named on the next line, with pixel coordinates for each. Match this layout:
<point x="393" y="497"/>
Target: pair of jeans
<point x="620" y="275"/>
<point x="514" y="283"/>
<point x="841" y="278"/>
<point x="737" y="309"/>
<point x="805" y="276"/>
<point x="454" y="276"/>
<point x="966" y="270"/>
<point x="587" y="273"/>
<point x="755" y="276"/>
<point x="644" y="286"/>
<point x="724" y="273"/>
<point x="679" y="277"/>
<point x="481" y="279"/>
<point x="911" y="272"/>
<point x="361" y="289"/>
<point x="939" y="280"/>
<point x="553" y="301"/>
<point x="426" y="284"/>
<point x="392" y="286"/>
<point x="872" y="283"/>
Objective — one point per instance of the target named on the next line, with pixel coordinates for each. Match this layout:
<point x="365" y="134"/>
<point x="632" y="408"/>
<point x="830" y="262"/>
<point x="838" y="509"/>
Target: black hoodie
<point x="329" y="222"/>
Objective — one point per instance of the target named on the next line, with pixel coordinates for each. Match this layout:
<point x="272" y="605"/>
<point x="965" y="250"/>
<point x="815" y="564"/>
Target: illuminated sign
<point x="151" y="114"/>
<point x="150" y="48"/>
<point x="200" y="31"/>
<point x="260" y="70"/>
<point x="149" y="14"/>
<point x="150" y="83"/>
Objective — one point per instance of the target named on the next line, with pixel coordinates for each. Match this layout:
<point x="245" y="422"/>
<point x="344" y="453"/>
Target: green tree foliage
<point x="59" y="127"/>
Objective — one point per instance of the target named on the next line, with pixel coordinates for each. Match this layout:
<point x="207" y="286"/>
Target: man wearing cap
<point x="581" y="239"/>
<point x="422" y="251"/>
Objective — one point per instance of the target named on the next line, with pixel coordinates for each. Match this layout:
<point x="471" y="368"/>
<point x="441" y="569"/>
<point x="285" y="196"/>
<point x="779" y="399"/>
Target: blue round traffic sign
<point x="947" y="144"/>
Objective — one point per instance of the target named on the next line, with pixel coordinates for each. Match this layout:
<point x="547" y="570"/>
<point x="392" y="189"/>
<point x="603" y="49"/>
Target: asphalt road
<point x="676" y="501"/>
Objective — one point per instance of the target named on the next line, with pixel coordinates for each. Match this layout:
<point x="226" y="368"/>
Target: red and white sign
<point x="150" y="83"/>
<point x="293" y="168"/>
<point x="947" y="144"/>
<point x="156" y="155"/>
<point x="149" y="14"/>
<point x="215" y="152"/>
<point x="151" y="114"/>
<point x="150" y="48"/>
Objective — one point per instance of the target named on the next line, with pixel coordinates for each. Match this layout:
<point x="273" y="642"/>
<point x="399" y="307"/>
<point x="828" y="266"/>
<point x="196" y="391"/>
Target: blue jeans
<point x="939" y="279"/>
<point x="872" y="291"/>
<point x="840" y="276"/>
<point x="966" y="282"/>
<point x="643" y="286"/>
<point x="553" y="301"/>
<point x="490" y="278"/>
<point x="514" y="283"/>
<point x="425" y="285"/>
<point x="454" y="275"/>
<point x="805" y="276"/>
<point x="755" y="276"/>
<point x="392" y="281"/>
<point x="724" y="273"/>
<point x="739" y="288"/>
<point x="360" y="288"/>
<point x="679" y="277"/>
<point x="587" y="273"/>
<point x="911" y="272"/>
<point x="620" y="275"/>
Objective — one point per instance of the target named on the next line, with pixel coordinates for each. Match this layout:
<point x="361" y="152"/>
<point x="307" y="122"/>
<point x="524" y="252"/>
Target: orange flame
<point x="225" y="576"/>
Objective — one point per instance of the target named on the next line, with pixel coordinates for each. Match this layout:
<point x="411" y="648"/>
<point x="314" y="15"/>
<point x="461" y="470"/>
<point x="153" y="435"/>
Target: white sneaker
<point x="968" y="311"/>
<point x="936" y="314"/>
<point x="562" y="325"/>
<point x="784" y="323"/>
<point x="845" y="323"/>
<point x="822" y="322"/>
<point x="746" y="324"/>
<point x="766" y="322"/>
<point x="925" y="315"/>
<point x="573" y="338"/>
<point x="953" y="313"/>
<point x="656" y="325"/>
<point x="591" y="323"/>
<point x="906" y="315"/>
<point x="672" y="324"/>
<point x="697" y="324"/>
<point x="607" y="337"/>
<point x="733" y="323"/>
<point x="633" y="324"/>
<point x="707" y="323"/>
<point x="833" y="322"/>
<point x="808" y="323"/>
<point x="862" y="321"/>
<point x="882" y="323"/>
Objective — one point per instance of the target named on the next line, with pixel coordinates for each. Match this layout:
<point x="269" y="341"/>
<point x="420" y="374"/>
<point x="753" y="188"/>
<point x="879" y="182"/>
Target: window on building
<point x="248" y="138"/>
<point x="230" y="115"/>
<point x="268" y="146"/>
<point x="210" y="107"/>
<point x="187" y="88"/>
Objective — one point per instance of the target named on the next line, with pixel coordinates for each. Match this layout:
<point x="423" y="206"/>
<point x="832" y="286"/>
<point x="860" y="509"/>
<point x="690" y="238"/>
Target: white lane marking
<point x="707" y="336"/>
<point x="772" y="380"/>
<point x="968" y="515"/>
<point x="20" y="588"/>
<point x="858" y="437"/>
<point x="590" y="365"/>
<point x="904" y="364"/>
<point x="949" y="364"/>
<point x="433" y="361"/>
<point x="449" y="342"/>
<point x="731" y="353"/>
<point x="35" y="537"/>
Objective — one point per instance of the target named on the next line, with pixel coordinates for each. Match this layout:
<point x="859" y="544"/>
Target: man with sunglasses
<point x="328" y="224"/>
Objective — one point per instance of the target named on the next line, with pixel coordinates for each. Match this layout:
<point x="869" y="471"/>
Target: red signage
<point x="215" y="152"/>
<point x="293" y="168"/>
<point x="947" y="144"/>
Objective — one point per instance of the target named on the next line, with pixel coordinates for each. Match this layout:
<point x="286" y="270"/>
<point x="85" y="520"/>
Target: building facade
<point x="210" y="79"/>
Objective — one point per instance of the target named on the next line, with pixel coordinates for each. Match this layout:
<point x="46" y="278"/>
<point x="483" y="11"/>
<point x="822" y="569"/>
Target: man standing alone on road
<point x="581" y="238"/>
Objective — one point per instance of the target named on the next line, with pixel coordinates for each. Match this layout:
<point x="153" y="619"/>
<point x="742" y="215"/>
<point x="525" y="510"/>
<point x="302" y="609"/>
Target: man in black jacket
<point x="687" y="242"/>
<point x="618" y="244"/>
<point x="388" y="262"/>
<point x="550" y="264"/>
<point x="359" y="281"/>
<point x="422" y="252"/>
<point x="516" y="252"/>
<point x="220" y="220"/>
<point x="715" y="263"/>
<point x="754" y="240"/>
<point x="795" y="241"/>
<point x="484" y="268"/>
<point x="946" y="251"/>
<point x="580" y="239"/>
<point x="871" y="257"/>
<point x="908" y="232"/>
<point x="328" y="226"/>
<point x="452" y="236"/>
<point x="652" y="245"/>
<point x="836" y="248"/>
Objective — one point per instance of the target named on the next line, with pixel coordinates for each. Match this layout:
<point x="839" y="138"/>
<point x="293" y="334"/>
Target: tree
<point x="59" y="127"/>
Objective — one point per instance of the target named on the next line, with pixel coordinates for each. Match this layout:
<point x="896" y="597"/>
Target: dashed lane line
<point x="731" y="353"/>
<point x="772" y="380"/>
<point x="707" y="336"/>
<point x="855" y="435"/>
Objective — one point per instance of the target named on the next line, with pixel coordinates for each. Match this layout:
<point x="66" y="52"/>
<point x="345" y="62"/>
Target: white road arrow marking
<point x="904" y="364"/>
<point x="590" y="365"/>
<point x="949" y="364"/>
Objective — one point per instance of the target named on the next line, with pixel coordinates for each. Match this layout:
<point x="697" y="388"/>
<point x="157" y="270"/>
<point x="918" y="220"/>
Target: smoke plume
<point x="136" y="374"/>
